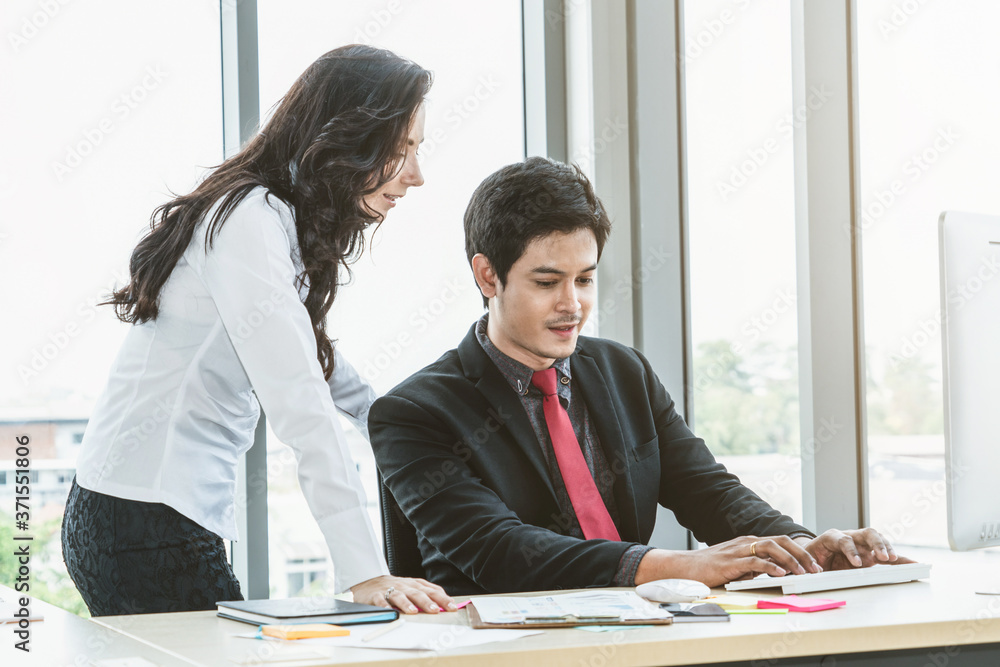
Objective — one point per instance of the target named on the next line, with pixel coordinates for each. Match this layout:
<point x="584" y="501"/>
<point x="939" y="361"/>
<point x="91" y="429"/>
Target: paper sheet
<point x="613" y="628"/>
<point x="611" y="605"/>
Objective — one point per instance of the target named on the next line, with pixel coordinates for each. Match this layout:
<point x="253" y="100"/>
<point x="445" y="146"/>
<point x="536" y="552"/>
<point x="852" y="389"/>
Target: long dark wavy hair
<point x="336" y="136"/>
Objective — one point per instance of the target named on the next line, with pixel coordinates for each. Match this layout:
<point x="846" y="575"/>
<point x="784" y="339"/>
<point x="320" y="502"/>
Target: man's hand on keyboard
<point x="844" y="549"/>
<point x="746" y="557"/>
<point x="740" y="558"/>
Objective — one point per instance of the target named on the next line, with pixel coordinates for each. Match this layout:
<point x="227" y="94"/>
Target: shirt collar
<point x="517" y="374"/>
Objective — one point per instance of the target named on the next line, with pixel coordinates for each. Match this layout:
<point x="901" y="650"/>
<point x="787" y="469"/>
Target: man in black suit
<point x="531" y="458"/>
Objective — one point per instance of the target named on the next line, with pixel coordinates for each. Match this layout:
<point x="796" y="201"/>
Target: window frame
<point x="622" y="62"/>
<point x="643" y="41"/>
<point x="240" y="114"/>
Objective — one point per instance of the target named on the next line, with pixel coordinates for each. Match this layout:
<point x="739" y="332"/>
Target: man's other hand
<point x="844" y="549"/>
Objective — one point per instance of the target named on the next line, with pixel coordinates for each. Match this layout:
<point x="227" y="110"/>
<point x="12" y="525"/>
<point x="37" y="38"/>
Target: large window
<point x="929" y="141"/>
<point x="96" y="139"/>
<point x="107" y="110"/>
<point x="739" y="120"/>
<point x="412" y="296"/>
<point x="101" y="140"/>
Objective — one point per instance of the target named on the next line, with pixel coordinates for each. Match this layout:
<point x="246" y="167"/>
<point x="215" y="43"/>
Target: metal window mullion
<point x="627" y="130"/>
<point x="603" y="90"/>
<point x="659" y="211"/>
<point x="240" y="115"/>
<point x="544" y="58"/>
<point x="602" y="132"/>
<point x="831" y="351"/>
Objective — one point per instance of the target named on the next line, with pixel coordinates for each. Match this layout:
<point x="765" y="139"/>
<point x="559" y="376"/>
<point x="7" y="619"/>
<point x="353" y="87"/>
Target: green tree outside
<point x="746" y="401"/>
<point x="49" y="580"/>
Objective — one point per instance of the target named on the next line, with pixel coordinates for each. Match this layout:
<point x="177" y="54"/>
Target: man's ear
<point x="486" y="278"/>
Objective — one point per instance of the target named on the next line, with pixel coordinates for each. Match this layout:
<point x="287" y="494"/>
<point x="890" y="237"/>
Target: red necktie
<point x="590" y="509"/>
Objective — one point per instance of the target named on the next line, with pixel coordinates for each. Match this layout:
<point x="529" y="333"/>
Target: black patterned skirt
<point x="131" y="557"/>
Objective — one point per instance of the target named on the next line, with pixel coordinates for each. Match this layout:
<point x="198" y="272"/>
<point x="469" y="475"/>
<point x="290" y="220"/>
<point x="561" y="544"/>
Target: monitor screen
<point x="970" y="314"/>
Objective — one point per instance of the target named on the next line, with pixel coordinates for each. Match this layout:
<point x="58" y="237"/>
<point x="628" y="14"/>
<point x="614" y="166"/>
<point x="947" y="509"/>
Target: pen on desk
<point x="257" y="635"/>
<point x="388" y="627"/>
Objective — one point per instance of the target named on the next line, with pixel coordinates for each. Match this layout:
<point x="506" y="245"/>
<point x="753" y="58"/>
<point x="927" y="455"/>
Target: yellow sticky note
<point x="303" y="631"/>
<point x="729" y="602"/>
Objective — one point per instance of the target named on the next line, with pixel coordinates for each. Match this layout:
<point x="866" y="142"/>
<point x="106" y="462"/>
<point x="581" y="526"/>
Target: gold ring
<point x="753" y="548"/>
<point x="388" y="592"/>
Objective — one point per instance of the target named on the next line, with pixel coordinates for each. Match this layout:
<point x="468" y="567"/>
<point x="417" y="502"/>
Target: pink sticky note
<point x="795" y="603"/>
<point x="459" y="605"/>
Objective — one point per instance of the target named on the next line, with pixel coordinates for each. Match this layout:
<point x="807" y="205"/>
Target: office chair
<point x="399" y="537"/>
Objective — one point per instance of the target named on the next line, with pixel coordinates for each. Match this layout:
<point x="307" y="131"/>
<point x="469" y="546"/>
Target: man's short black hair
<point x="526" y="201"/>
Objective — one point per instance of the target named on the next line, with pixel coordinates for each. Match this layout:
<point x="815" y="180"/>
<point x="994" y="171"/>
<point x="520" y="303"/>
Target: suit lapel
<point x="604" y="416"/>
<point x="505" y="402"/>
<point x="499" y="394"/>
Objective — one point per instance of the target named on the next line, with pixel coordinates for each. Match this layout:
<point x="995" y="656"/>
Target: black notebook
<point x="304" y="610"/>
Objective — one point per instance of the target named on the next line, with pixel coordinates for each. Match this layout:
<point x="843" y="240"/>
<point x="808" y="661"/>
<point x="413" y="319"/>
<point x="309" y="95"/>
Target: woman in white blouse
<point x="228" y="297"/>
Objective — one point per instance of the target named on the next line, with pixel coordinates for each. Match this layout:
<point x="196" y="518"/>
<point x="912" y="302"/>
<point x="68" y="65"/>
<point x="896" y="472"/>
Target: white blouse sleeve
<point x="250" y="276"/>
<point x="351" y="394"/>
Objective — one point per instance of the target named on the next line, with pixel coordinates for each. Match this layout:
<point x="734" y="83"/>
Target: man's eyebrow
<point x="558" y="272"/>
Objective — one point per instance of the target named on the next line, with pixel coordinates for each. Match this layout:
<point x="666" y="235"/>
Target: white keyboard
<point x="834" y="579"/>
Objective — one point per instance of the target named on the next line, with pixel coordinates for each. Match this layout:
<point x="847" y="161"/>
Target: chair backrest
<point x="399" y="537"/>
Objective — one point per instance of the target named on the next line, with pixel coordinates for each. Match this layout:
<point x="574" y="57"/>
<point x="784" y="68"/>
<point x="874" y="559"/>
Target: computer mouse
<point x="672" y="590"/>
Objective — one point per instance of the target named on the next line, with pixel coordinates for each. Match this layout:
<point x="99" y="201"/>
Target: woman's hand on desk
<point x="844" y="549"/>
<point x="407" y="595"/>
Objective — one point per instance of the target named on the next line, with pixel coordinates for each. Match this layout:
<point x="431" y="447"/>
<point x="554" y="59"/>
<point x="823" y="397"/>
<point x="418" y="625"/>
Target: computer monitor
<point x="970" y="331"/>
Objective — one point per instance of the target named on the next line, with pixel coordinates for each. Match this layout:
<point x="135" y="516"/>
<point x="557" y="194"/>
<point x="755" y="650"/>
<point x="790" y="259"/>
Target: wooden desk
<point x="940" y="622"/>
<point x="63" y="638"/>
